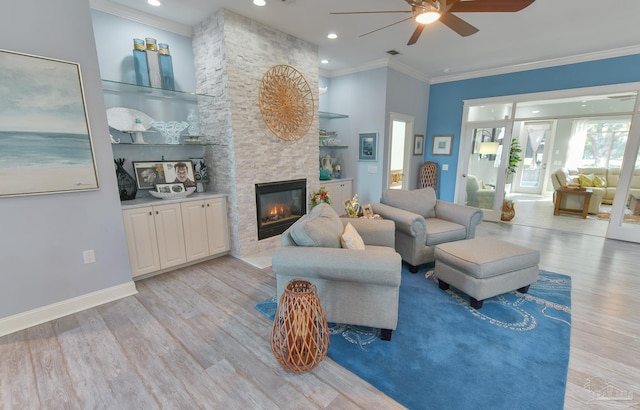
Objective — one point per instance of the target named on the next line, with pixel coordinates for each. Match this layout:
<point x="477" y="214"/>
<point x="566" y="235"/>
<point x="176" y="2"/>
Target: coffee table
<point x="560" y="192"/>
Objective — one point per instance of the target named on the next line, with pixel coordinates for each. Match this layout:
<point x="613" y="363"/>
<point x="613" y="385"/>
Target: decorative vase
<point x="300" y="336"/>
<point x="126" y="183"/>
<point x="170" y="130"/>
<point x="508" y="210"/>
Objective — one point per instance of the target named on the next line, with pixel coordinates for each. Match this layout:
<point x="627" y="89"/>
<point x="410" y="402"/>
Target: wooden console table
<point x="586" y="193"/>
<point x="634" y="204"/>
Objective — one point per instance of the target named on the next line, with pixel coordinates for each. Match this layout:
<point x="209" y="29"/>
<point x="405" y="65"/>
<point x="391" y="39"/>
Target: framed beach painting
<point x="45" y="143"/>
<point x="368" y="146"/>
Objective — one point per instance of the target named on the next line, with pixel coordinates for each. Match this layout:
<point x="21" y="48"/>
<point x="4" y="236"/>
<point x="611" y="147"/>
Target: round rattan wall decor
<point x="286" y="102"/>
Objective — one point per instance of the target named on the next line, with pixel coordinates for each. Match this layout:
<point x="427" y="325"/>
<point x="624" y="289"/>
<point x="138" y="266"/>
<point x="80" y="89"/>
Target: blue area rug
<point x="513" y="353"/>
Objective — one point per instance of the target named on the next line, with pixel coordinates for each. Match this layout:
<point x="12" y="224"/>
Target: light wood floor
<point x="192" y="339"/>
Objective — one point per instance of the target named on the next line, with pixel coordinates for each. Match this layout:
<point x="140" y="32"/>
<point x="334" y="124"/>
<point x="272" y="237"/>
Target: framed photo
<point x="367" y="211"/>
<point x="45" y="142"/>
<point x="442" y="145"/>
<point x="176" y="187"/>
<point x="418" y="144"/>
<point x="368" y="147"/>
<point x="148" y="174"/>
<point x="151" y="173"/>
<point x="180" y="171"/>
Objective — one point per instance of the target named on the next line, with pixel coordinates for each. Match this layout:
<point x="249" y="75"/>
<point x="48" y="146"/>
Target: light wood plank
<point x="191" y="338"/>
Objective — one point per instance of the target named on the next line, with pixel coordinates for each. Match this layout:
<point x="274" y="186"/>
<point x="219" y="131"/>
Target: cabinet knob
<point x="202" y="205"/>
<point x="157" y="213"/>
<point x="150" y="213"/>
<point x="208" y="205"/>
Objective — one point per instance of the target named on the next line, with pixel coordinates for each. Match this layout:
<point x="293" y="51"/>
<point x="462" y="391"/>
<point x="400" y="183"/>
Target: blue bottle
<point x="140" y="63"/>
<point x="166" y="67"/>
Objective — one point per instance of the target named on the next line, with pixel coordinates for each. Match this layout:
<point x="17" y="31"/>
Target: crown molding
<point x="138" y="16"/>
<point x="381" y="63"/>
<point x="580" y="58"/>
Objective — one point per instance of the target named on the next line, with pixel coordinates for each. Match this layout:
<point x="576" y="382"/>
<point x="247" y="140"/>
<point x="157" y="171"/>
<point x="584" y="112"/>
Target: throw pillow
<point x="419" y="201"/>
<point x="351" y="239"/>
<point x="599" y="182"/>
<point x="322" y="227"/>
<point x="586" y="181"/>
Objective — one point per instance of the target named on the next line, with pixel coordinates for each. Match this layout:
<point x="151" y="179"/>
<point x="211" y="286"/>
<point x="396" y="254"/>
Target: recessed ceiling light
<point x="332" y="36"/>
<point x="260" y="3"/>
<point x="325" y="61"/>
<point x="154" y="2"/>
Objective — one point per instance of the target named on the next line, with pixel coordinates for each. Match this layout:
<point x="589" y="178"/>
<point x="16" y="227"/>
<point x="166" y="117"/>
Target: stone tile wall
<point x="232" y="53"/>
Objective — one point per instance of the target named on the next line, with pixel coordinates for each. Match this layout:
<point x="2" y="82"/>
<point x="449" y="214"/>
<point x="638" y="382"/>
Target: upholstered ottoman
<point x="484" y="267"/>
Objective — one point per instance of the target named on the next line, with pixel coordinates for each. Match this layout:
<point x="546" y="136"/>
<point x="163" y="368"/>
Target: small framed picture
<point x="368" y="147"/>
<point x="367" y="211"/>
<point x="148" y="174"/>
<point x="418" y="144"/>
<point x="442" y="144"/>
<point x="176" y="188"/>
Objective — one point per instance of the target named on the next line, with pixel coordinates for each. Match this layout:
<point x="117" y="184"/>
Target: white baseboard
<point x="57" y="310"/>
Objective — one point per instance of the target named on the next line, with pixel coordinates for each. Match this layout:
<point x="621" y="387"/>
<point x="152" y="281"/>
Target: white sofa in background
<point x="603" y="192"/>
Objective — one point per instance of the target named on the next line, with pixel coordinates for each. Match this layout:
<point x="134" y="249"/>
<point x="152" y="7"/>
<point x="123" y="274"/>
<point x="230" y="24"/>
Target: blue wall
<point x="446" y="99"/>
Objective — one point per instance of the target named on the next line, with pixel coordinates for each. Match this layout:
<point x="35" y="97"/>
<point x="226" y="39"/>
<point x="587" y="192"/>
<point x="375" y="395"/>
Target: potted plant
<point x="508" y="209"/>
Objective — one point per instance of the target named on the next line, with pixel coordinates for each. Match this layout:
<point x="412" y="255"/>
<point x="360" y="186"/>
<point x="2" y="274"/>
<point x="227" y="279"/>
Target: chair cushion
<point x="419" y="201"/>
<point x="321" y="227"/>
<point x="441" y="231"/>
<point x="351" y="239"/>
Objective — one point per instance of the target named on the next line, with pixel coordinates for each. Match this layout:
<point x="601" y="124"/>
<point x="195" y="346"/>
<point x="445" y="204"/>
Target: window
<point x="599" y="143"/>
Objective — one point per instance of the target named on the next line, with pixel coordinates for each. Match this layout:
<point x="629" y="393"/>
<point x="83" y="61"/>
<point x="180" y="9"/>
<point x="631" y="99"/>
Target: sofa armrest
<point x="465" y="215"/>
<point x="405" y="221"/>
<point x="366" y="266"/>
<point x="380" y="232"/>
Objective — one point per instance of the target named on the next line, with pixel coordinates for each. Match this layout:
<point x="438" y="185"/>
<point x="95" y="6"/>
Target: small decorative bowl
<point x="173" y="195"/>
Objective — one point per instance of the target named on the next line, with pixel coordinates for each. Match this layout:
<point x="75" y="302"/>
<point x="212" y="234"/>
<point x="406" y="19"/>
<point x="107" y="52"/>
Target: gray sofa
<point x="422" y="222"/>
<point x="358" y="287"/>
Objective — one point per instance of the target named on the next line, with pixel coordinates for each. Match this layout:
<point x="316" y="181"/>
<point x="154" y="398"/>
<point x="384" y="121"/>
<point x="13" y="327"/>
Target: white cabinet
<point x="160" y="237"/>
<point x="155" y="238"/>
<point x="217" y="225"/>
<point x="339" y="190"/>
<point x="205" y="227"/>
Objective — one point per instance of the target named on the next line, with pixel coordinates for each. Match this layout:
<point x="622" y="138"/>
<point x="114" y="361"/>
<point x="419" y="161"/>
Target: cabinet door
<point x="140" y="230"/>
<point x="217" y="225"/>
<point x="194" y="221"/>
<point x="170" y="234"/>
<point x="339" y="191"/>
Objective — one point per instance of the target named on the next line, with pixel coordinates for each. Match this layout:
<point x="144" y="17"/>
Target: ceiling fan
<point x="428" y="11"/>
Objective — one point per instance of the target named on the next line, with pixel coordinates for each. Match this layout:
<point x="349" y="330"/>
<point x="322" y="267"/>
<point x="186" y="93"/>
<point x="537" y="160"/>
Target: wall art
<point x="368" y="147"/>
<point x="45" y="142"/>
<point x="442" y="145"/>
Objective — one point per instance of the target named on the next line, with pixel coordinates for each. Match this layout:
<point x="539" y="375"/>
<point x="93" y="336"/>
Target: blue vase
<point x="166" y="67"/>
<point x="140" y="63"/>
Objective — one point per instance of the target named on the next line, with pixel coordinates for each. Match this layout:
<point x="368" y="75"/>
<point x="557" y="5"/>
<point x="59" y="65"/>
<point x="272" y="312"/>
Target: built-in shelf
<point x="334" y="146"/>
<point x="150" y="92"/>
<point x="331" y="115"/>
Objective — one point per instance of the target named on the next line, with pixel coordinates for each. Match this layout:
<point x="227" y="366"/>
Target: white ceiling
<point x="547" y="32"/>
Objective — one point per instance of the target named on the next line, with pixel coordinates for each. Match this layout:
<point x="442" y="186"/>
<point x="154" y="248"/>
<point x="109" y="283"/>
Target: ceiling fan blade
<point x="458" y="25"/>
<point x="372" y="12"/>
<point x="381" y="28"/>
<point x="489" y="6"/>
<point x="416" y="34"/>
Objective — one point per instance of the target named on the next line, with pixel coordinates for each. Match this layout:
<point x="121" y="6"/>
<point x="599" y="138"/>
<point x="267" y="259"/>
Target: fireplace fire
<point x="279" y="205"/>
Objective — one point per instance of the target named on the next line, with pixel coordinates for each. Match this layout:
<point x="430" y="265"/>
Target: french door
<point x="536" y="140"/>
<point x="624" y="223"/>
<point x="483" y="159"/>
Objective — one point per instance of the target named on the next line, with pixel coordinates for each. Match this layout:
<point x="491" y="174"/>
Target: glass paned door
<point x="535" y="139"/>
<point x="482" y="178"/>
<point x="624" y="223"/>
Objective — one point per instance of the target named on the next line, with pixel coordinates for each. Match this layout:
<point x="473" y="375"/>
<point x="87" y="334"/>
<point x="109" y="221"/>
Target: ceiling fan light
<point x="428" y="17"/>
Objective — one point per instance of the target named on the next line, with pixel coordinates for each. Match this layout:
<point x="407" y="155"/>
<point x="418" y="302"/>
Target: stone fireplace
<point x="279" y="205"/>
<point x="231" y="54"/>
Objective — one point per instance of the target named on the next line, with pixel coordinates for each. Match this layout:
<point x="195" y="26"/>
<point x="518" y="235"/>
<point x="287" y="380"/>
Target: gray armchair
<point x="358" y="287"/>
<point x="422" y="222"/>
